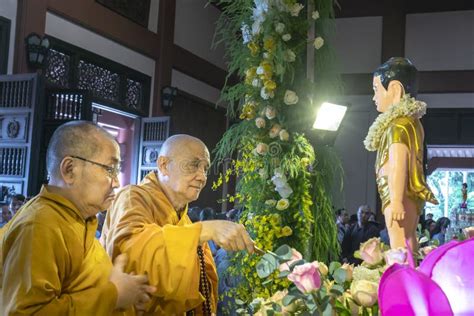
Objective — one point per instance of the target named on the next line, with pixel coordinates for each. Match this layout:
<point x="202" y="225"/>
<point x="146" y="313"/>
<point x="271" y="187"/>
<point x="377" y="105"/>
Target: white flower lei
<point x="407" y="107"/>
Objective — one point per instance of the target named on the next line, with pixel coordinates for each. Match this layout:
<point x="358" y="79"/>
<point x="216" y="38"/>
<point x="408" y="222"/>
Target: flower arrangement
<point x="340" y="289"/>
<point x="283" y="183"/>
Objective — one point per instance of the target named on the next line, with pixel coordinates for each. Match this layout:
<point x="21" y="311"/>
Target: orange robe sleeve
<point x="144" y="225"/>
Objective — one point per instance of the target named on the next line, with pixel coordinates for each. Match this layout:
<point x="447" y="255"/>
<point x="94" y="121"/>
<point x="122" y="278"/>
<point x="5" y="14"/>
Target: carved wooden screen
<point x="18" y="101"/>
<point x="108" y="83"/>
<point x="154" y="131"/>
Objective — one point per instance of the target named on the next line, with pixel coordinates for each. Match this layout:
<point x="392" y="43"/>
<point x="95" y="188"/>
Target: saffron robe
<point x="52" y="263"/>
<point x="143" y="224"/>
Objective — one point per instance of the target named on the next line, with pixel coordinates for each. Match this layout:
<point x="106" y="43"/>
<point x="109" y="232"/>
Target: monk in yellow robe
<point x="149" y="223"/>
<point x="52" y="264"/>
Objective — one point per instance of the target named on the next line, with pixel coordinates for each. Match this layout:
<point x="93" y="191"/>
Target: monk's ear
<point x="396" y="89"/>
<point x="67" y="170"/>
<point x="162" y="164"/>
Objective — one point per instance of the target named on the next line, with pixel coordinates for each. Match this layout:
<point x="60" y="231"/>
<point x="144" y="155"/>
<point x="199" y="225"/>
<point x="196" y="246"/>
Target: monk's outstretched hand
<point x="228" y="235"/>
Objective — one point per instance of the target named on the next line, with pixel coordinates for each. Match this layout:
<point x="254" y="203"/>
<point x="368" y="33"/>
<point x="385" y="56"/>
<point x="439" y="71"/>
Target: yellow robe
<point x="143" y="224"/>
<point x="52" y="263"/>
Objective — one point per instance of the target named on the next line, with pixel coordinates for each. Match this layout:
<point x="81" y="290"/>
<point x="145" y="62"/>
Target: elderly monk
<point x="149" y="222"/>
<point x="52" y="264"/>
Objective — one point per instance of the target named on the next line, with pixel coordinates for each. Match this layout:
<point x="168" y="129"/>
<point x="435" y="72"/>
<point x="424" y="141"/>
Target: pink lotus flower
<point x="306" y="277"/>
<point x="294" y="257"/>
<point x="371" y="251"/>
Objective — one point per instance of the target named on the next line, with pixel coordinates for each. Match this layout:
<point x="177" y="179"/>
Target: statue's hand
<point x="396" y="212"/>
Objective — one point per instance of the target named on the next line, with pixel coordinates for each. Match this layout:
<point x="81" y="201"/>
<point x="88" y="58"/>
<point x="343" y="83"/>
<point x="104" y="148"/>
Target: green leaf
<point x="239" y="302"/>
<point x="296" y="263"/>
<point x="283" y="274"/>
<point x="328" y="310"/>
<point x="338" y="288"/>
<point x="334" y="266"/>
<point x="288" y="299"/>
<point x="340" y="275"/>
<point x="276" y="307"/>
<point x="267" y="281"/>
<point x="266" y="266"/>
<point x="284" y="252"/>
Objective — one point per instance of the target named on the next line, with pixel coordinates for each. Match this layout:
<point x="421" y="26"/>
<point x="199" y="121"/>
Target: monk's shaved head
<point x="76" y="138"/>
<point x="177" y="144"/>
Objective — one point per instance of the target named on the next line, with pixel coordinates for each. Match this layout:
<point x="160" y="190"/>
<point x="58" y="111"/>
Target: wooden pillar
<point x="164" y="60"/>
<point x="31" y="17"/>
<point x="393" y="30"/>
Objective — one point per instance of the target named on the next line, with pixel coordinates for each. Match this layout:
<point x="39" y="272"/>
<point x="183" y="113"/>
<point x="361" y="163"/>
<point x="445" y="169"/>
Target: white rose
<point x="257" y="83"/>
<point x="318" y="42"/>
<point x="364" y="292"/>
<point x="262" y="148"/>
<point x="274" y="131"/>
<point x="295" y="9"/>
<point x="260" y="122"/>
<point x="284" y="135"/>
<point x="256" y="27"/>
<point x="279" y="28"/>
<point x="260" y="70"/>
<point x="266" y="55"/>
<point x="270" y="112"/>
<point x="315" y="15"/>
<point x="286" y="37"/>
<point x="290" y="97"/>
<point x="282" y="204"/>
<point x="289" y="56"/>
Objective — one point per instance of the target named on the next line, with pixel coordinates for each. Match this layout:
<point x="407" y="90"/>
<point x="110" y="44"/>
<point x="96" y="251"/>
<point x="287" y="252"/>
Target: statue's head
<point x="392" y="80"/>
<point x="402" y="70"/>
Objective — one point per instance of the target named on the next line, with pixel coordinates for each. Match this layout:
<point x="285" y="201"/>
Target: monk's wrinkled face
<point x="381" y="97"/>
<point x="187" y="171"/>
<point x="97" y="181"/>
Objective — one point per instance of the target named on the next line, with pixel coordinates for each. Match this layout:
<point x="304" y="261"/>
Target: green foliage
<point x="270" y="154"/>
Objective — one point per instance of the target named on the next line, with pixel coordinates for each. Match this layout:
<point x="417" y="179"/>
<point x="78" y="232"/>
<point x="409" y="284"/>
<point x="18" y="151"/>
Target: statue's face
<point x="382" y="98"/>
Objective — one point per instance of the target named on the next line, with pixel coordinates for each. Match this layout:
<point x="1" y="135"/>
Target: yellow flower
<point x="254" y="49"/>
<point x="269" y="44"/>
<point x="269" y="85"/>
<point x="248" y="111"/>
<point x="265" y="70"/>
<point x="250" y="74"/>
<point x="275" y="219"/>
<point x="282" y="204"/>
<point x="286" y="231"/>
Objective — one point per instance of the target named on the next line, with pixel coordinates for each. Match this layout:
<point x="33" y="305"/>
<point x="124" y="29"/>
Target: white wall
<point x="194" y="30"/>
<point x="441" y="41"/>
<point x="358" y="44"/>
<point x="85" y="39"/>
<point x="195" y="87"/>
<point x="8" y="10"/>
<point x="153" y="17"/>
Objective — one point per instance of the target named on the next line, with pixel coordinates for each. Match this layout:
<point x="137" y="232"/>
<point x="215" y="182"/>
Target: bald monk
<point x="149" y="223"/>
<point x="52" y="264"/>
